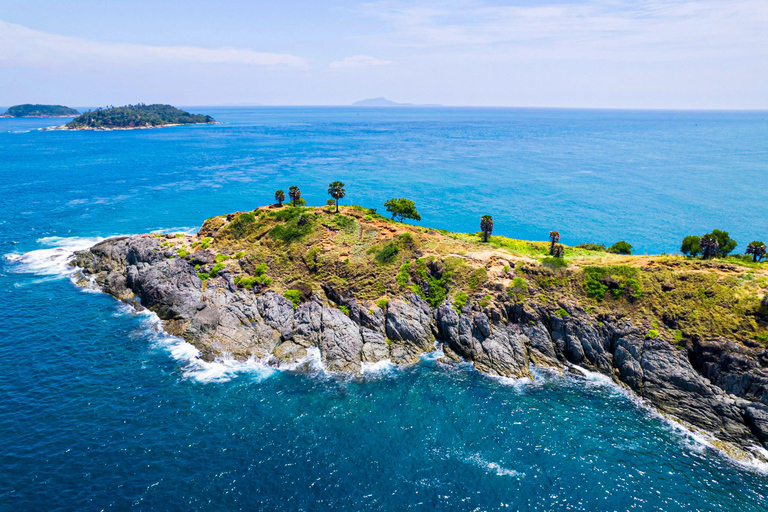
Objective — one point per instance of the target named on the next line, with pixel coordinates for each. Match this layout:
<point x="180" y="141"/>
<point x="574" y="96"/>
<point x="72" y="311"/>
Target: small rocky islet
<point x="687" y="335"/>
<point x="132" y="117"/>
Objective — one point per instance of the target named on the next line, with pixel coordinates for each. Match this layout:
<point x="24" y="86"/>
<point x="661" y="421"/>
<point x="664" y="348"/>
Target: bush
<point x="387" y="254"/>
<point x="221" y="257"/>
<point x="402" y="275"/>
<point x="239" y="255"/>
<point x="691" y="246"/>
<point x="478" y="277"/>
<point x="203" y="276"/>
<point x="242" y="224"/>
<point x="460" y="300"/>
<point x="621" y="247"/>
<point x="216" y="269"/>
<point x="592" y="247"/>
<point x="183" y="253"/>
<point x="406" y="241"/>
<point x="205" y="242"/>
<point x="554" y="263"/>
<point x="343" y="309"/>
<point x="294" y="229"/>
<point x="519" y="284"/>
<point x="485" y="301"/>
<point x="653" y="333"/>
<point x="382" y="303"/>
<point x="561" y="313"/>
<point x="294" y="296"/>
<point x="260" y="269"/>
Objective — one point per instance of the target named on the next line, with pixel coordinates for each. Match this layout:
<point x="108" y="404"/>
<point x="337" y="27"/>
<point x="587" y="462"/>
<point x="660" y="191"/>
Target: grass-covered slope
<point x="136" y="116"/>
<point x="28" y="110"/>
<point x="298" y="251"/>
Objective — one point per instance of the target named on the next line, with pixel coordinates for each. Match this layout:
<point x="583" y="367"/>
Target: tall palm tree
<point x="279" y="197"/>
<point x="709" y="245"/>
<point x="486" y="226"/>
<point x="756" y="249"/>
<point x="554" y="237"/>
<point x="295" y="194"/>
<point x="336" y="191"/>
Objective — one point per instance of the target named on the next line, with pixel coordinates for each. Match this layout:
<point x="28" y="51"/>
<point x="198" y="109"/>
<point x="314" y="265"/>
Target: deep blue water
<point x="99" y="411"/>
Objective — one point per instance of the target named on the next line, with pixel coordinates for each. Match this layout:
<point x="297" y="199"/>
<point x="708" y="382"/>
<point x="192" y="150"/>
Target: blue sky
<point x="569" y="53"/>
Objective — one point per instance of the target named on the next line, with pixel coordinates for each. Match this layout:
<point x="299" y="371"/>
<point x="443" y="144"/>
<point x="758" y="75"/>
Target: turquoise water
<point x="100" y="411"/>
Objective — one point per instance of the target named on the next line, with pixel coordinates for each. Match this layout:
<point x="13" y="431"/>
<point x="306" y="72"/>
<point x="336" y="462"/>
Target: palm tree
<point x="554" y="237"/>
<point x="279" y="197"/>
<point x="757" y="250"/>
<point x="336" y="191"/>
<point x="486" y="225"/>
<point x="709" y="245"/>
<point x="295" y="194"/>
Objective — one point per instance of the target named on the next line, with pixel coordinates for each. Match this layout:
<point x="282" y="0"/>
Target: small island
<point x="29" y="110"/>
<point x="131" y="117"/>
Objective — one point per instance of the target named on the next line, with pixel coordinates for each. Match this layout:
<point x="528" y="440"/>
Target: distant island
<point x="384" y="102"/>
<point x="28" y="110"/>
<point x="134" y="117"/>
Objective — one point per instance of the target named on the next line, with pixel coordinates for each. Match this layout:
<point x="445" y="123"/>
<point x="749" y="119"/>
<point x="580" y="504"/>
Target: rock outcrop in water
<point x="715" y="385"/>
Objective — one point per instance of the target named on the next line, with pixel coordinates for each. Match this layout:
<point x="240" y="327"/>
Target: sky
<point x="638" y="54"/>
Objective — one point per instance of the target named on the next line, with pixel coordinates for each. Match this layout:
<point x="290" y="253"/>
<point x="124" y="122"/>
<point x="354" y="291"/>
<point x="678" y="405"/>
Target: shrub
<point x="216" y="269"/>
<point x="478" y="277"/>
<point x="554" y="263"/>
<point x="519" y="284"/>
<point x="762" y="338"/>
<point x="343" y="309"/>
<point x="653" y="333"/>
<point x="621" y="247"/>
<point x="221" y="257"/>
<point x="592" y="247"/>
<point x="382" y="303"/>
<point x="460" y="300"/>
<point x="183" y="253"/>
<point x="387" y="254"/>
<point x="239" y="255"/>
<point x="205" y="242"/>
<point x="294" y="229"/>
<point x="294" y="296"/>
<point x="402" y="275"/>
<point x="242" y="224"/>
<point x="260" y="269"/>
<point x="311" y="259"/>
<point x="561" y="313"/>
<point x="406" y="241"/>
<point x="203" y="276"/>
<point x="691" y="246"/>
<point x="485" y="301"/>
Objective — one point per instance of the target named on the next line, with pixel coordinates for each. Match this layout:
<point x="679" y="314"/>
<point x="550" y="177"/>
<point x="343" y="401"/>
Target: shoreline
<point x="118" y="128"/>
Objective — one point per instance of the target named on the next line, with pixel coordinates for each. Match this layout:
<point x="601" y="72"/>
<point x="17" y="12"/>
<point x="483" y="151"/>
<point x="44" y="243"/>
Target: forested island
<point x="29" y="110"/>
<point x="134" y="117"/>
<point x="688" y="334"/>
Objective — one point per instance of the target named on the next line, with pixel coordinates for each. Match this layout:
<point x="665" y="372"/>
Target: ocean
<point x="99" y="410"/>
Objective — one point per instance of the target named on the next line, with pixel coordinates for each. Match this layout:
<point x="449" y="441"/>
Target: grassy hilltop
<point x="297" y="251"/>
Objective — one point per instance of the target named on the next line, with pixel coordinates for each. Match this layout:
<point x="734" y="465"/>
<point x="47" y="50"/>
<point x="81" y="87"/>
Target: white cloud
<point x="22" y="46"/>
<point x="358" y="61"/>
<point x="612" y="29"/>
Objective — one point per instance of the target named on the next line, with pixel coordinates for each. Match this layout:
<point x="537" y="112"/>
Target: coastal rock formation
<point x="717" y="386"/>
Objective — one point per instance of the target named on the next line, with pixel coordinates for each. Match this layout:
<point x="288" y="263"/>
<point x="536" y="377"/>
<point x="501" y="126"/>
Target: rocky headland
<point x="684" y="335"/>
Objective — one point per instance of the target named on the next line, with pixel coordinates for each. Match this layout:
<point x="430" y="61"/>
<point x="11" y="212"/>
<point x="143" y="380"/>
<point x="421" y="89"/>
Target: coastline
<point x="110" y="129"/>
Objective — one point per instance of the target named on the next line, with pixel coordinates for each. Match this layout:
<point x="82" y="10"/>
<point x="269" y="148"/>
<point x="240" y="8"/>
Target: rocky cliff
<point x="712" y="384"/>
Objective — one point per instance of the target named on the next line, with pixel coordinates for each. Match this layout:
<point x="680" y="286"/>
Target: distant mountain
<point x="28" y="110"/>
<point x="384" y="102"/>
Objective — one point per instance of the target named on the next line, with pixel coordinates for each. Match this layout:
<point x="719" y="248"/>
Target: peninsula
<point x="28" y="110"/>
<point x="688" y="335"/>
<point x="132" y="117"/>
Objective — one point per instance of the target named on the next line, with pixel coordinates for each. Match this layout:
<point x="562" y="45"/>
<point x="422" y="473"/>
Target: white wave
<point x="493" y="467"/>
<point x="436" y="354"/>
<point x="53" y="260"/>
<point x="383" y="367"/>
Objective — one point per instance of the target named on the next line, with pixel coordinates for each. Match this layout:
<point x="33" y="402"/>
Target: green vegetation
<point x="279" y="197"/>
<point x="402" y="209"/>
<point x="387" y="254"/>
<point x="486" y="226"/>
<point x="621" y="247"/>
<point x="561" y="313"/>
<point x="554" y="238"/>
<point x="653" y="333"/>
<point x="691" y="246"/>
<point x="718" y="243"/>
<point x="555" y="263"/>
<point x="344" y="309"/>
<point x="592" y="247"/>
<point x="136" y="116"/>
<point x="221" y="257"/>
<point x="28" y="110"/>
<point x="460" y="300"/>
<point x="294" y="193"/>
<point x="619" y="280"/>
<point x="757" y="250"/>
<point x="336" y="191"/>
<point x="294" y="296"/>
<point x="382" y="303"/>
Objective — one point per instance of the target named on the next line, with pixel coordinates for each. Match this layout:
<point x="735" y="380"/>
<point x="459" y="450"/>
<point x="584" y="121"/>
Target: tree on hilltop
<point x="486" y="226"/>
<point x="336" y="191"/>
<point x="691" y="246"/>
<point x="554" y="237"/>
<point x="402" y="209"/>
<point x="279" y="197"/>
<point x="757" y="250"/>
<point x="295" y="194"/>
<point x="709" y="246"/>
<point x="621" y="247"/>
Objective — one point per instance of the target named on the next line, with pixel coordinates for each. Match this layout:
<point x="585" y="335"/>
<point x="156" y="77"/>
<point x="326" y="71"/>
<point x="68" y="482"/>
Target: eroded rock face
<point x="723" y="391"/>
